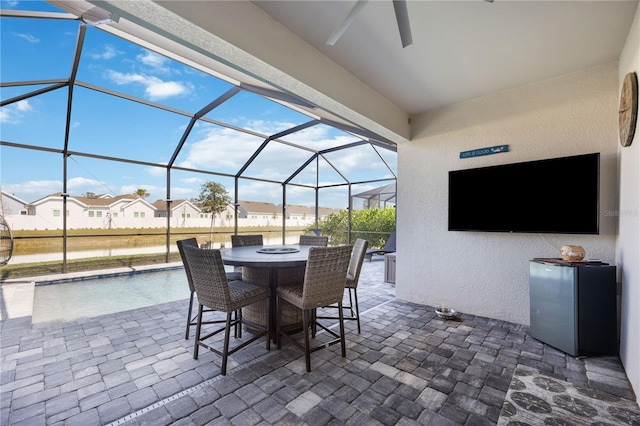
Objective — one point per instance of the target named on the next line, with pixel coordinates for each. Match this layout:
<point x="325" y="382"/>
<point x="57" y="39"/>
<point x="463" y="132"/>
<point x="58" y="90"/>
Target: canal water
<point x="51" y="257"/>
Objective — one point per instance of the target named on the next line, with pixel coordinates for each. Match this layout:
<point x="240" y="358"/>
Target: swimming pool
<point x="87" y="298"/>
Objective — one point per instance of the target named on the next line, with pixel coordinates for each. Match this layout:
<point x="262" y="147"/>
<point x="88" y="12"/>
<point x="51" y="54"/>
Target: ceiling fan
<point x="402" y="17"/>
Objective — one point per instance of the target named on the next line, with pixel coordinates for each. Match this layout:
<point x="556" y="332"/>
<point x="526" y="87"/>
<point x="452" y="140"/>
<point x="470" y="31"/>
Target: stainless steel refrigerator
<point x="573" y="306"/>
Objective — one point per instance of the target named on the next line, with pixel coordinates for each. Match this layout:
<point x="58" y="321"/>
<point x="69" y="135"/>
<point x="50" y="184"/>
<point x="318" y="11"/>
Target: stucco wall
<point x="488" y="273"/>
<point x="628" y="248"/>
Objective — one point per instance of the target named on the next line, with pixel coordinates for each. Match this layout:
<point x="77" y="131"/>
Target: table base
<point x="273" y="277"/>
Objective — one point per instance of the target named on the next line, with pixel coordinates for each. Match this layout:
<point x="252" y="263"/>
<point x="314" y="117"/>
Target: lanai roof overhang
<point x="197" y="50"/>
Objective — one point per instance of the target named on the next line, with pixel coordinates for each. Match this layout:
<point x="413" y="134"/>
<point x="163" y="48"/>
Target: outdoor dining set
<point x="274" y="292"/>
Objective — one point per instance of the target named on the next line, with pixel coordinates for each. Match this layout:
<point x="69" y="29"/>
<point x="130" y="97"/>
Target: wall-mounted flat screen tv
<point x="558" y="195"/>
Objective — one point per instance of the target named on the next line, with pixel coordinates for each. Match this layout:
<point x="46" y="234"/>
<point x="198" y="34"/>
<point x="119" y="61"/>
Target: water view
<point x="106" y="252"/>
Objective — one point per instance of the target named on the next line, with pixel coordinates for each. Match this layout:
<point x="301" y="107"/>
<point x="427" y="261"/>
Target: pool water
<point x="68" y="301"/>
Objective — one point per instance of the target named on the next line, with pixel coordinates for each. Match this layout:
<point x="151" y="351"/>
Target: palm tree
<point x="142" y="193"/>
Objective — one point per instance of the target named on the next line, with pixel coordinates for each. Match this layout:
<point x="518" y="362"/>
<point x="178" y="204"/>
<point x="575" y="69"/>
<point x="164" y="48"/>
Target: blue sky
<point x="38" y="49"/>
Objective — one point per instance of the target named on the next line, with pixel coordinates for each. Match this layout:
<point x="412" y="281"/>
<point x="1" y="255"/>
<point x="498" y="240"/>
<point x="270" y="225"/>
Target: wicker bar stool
<point x="313" y="240"/>
<point x="323" y="285"/>
<point x="243" y="241"/>
<point x="215" y="292"/>
<point x="246" y="240"/>
<point x="231" y="276"/>
<point x="353" y="276"/>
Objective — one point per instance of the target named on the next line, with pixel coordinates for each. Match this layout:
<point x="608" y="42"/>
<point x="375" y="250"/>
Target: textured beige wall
<point x="488" y="273"/>
<point x="628" y="247"/>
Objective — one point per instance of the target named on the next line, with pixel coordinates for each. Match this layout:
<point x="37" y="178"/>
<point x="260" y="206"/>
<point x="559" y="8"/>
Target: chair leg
<point x="238" y="326"/>
<point x="225" y="351"/>
<point x="196" y="345"/>
<point x="350" y="302"/>
<point x="278" y="322"/>
<point x="186" y="336"/>
<point x="307" y="346"/>
<point x="343" y="344"/>
<point x="268" y="322"/>
<point x="355" y="295"/>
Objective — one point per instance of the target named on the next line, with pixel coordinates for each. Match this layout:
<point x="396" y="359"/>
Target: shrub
<point x="373" y="225"/>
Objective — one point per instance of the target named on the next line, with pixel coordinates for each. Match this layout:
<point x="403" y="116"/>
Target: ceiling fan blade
<point x="402" y="16"/>
<point x="346" y="22"/>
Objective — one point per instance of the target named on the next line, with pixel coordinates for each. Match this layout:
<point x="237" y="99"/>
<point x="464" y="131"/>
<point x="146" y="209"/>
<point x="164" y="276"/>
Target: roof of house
<point x="13" y="197"/>
<point x="162" y="204"/>
<point x="298" y="209"/>
<point x="326" y="211"/>
<point x="102" y="201"/>
<point x="258" y="207"/>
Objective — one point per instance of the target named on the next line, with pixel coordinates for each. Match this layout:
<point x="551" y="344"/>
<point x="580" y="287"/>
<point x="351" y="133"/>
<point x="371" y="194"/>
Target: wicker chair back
<point x="209" y="278"/>
<point x="192" y="242"/>
<point x="314" y="240"/>
<point x="355" y="264"/>
<point x="246" y="240"/>
<point x="324" y="277"/>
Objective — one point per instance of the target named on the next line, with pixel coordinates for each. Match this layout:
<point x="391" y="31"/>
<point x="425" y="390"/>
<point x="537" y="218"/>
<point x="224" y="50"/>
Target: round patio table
<point x="270" y="266"/>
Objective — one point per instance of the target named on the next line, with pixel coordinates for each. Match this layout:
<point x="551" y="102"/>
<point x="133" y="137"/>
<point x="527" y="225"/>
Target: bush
<point x="373" y="225"/>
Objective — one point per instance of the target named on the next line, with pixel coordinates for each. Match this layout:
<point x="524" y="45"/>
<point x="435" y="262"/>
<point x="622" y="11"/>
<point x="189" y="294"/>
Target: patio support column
<point x="349" y="208"/>
<point x="317" y="185"/>
<point x="168" y="214"/>
<point x="64" y="213"/>
<point x="284" y="212"/>
<point x="236" y="204"/>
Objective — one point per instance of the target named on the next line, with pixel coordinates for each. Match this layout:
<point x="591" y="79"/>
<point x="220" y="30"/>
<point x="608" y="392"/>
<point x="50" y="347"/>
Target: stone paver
<point x="407" y="367"/>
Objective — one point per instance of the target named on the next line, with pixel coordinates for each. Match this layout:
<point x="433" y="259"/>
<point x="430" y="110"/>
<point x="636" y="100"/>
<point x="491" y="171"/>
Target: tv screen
<point x="559" y="195"/>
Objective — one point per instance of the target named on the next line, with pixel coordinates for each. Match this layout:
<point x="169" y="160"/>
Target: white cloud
<point x="155" y="192"/>
<point x="179" y="193"/>
<point x="219" y="148"/>
<point x="13" y="113"/>
<point x="155" y="61"/>
<point x="226" y="150"/>
<point x="24" y="106"/>
<point x="155" y="89"/>
<point x="267" y="127"/>
<point x="156" y="171"/>
<point x="158" y="89"/>
<point x="33" y="190"/>
<point x="81" y="185"/>
<point x="252" y="190"/>
<point x="109" y="52"/>
<point x="30" y="38"/>
<point x="193" y="180"/>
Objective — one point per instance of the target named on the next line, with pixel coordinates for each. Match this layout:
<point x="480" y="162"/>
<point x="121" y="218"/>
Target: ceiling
<point x="461" y="49"/>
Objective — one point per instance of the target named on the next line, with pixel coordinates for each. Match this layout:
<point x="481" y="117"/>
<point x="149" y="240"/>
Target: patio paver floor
<point x="407" y="367"/>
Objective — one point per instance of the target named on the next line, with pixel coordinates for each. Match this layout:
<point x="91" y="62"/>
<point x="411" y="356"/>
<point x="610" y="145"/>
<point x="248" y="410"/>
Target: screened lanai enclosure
<point x="108" y="125"/>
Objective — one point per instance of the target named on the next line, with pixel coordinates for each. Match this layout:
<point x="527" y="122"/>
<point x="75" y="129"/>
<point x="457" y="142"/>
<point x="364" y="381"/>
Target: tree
<point x="142" y="193"/>
<point x="89" y="194"/>
<point x="213" y="199"/>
